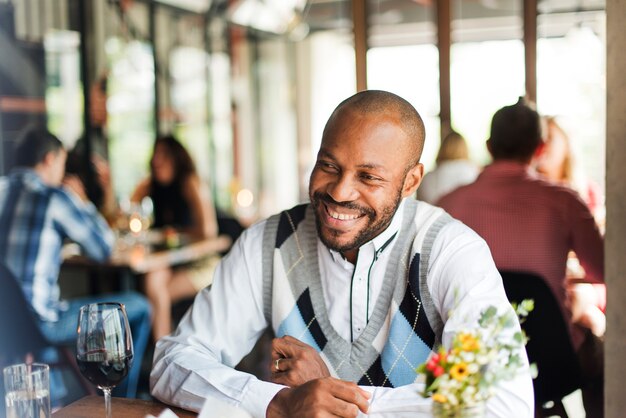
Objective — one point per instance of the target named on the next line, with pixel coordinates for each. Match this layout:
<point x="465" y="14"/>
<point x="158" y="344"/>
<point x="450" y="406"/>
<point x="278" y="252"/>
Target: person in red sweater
<point x="530" y="224"/>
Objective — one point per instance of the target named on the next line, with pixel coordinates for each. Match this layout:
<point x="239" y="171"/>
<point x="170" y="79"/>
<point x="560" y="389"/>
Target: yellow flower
<point x="468" y="342"/>
<point x="438" y="397"/>
<point x="459" y="371"/>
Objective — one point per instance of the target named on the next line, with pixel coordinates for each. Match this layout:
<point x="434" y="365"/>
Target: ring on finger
<point x="277" y="364"/>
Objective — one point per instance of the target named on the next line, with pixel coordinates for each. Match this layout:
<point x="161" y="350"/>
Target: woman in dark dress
<point x="182" y="202"/>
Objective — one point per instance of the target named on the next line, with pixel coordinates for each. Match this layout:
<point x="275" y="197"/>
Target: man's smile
<point x="341" y="215"/>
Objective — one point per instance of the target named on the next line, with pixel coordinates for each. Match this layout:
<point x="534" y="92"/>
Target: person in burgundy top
<point x="529" y="224"/>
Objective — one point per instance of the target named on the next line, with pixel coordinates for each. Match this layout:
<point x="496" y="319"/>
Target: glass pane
<point x="64" y="88"/>
<point x="130" y="106"/>
<point x="486" y="67"/>
<point x="571" y="73"/>
<point x="277" y="131"/>
<point x="333" y="78"/>
<point x="188" y="72"/>
<point x="485" y="76"/>
<point x="404" y="60"/>
<point x="411" y="72"/>
<point x="222" y="127"/>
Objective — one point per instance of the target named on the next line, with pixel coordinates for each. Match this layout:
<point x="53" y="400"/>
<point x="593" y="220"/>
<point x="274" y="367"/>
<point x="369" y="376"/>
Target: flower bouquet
<point x="461" y="379"/>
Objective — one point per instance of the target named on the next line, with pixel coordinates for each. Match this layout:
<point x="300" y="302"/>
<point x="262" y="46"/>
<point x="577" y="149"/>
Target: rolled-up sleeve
<point x="82" y="223"/>
<point x="224" y="323"/>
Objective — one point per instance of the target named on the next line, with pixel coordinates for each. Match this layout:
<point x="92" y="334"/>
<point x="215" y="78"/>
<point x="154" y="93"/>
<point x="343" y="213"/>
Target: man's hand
<point x="327" y="397"/>
<point x="295" y="363"/>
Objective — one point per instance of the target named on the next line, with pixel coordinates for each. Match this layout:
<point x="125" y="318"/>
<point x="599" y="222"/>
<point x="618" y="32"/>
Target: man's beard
<point x="372" y="230"/>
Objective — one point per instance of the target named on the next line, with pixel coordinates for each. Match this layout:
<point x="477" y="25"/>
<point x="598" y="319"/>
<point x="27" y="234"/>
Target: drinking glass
<point x="27" y="389"/>
<point x="104" y="348"/>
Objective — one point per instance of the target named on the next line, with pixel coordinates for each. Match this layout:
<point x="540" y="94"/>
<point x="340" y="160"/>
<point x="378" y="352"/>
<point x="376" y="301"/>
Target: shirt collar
<point x="507" y="168"/>
<point x="381" y="242"/>
<point x="28" y="176"/>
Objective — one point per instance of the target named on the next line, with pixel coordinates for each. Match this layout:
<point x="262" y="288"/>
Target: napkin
<point x="167" y="413"/>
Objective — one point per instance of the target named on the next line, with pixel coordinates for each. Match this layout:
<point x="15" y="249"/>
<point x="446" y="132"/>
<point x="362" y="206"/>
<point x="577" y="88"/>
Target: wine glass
<point x="104" y="347"/>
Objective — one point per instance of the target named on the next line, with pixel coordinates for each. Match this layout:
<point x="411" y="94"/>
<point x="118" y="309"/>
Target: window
<point x="411" y="72"/>
<point x="571" y="69"/>
<point x="64" y="88"/>
<point x="130" y="106"/>
<point x="485" y="76"/>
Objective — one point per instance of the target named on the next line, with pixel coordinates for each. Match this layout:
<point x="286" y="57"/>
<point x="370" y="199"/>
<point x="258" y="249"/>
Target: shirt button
<point x="360" y="279"/>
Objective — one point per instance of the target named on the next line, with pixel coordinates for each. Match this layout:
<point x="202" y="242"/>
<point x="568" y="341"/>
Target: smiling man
<point x="358" y="286"/>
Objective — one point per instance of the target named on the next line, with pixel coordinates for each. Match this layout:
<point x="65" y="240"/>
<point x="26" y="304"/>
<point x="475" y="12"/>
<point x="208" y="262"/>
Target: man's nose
<point x="343" y="189"/>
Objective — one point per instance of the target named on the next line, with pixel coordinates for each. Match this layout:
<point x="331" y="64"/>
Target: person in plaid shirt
<point x="39" y="209"/>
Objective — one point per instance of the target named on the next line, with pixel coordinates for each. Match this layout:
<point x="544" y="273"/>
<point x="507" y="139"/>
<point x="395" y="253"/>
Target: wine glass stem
<point x="107" y="401"/>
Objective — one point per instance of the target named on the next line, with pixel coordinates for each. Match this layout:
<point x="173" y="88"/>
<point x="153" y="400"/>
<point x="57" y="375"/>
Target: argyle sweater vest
<point x="404" y="326"/>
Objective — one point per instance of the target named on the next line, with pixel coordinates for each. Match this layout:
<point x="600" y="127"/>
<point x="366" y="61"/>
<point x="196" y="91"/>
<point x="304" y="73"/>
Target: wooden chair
<point x="549" y="345"/>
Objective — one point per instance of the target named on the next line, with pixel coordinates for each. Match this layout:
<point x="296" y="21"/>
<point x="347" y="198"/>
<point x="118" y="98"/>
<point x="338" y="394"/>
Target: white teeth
<point x="342" y="216"/>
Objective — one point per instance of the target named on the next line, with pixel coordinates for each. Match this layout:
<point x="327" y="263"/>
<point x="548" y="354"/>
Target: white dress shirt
<point x="225" y="322"/>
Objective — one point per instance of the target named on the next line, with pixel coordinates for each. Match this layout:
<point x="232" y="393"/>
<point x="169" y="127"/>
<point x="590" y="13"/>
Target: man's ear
<point x="48" y="159"/>
<point x="412" y="180"/>
<point x="488" y="143"/>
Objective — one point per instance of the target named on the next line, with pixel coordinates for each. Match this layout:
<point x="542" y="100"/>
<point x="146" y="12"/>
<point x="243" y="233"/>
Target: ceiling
<point x="322" y="15"/>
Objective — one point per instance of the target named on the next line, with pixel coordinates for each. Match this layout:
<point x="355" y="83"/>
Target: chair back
<point x="228" y="225"/>
<point x="549" y="345"/>
<point x="18" y="326"/>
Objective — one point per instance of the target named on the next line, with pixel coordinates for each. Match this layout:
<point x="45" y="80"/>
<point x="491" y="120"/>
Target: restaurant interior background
<point x="247" y="85"/>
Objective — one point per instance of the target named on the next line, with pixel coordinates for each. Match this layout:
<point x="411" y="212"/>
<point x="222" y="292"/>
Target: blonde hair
<point x="567" y="169"/>
<point x="453" y="147"/>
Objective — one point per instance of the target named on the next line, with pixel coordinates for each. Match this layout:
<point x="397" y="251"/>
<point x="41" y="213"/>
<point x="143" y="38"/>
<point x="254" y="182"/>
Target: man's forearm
<point x="185" y="377"/>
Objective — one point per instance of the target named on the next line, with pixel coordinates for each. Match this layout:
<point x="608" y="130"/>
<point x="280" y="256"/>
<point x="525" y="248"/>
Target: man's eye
<point x="369" y="177"/>
<point x="327" y="167"/>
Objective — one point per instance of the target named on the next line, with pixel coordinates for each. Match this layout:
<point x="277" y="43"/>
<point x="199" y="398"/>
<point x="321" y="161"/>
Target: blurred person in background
<point x="531" y="225"/>
<point x="40" y="207"/>
<point x="94" y="170"/>
<point x="454" y="169"/>
<point x="101" y="193"/>
<point x="557" y="163"/>
<point x="181" y="204"/>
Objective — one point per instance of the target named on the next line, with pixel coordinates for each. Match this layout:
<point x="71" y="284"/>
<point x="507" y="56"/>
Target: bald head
<point x="378" y="102"/>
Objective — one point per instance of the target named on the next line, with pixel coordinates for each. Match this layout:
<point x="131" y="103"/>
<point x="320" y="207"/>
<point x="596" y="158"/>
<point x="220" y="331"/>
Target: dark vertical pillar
<point x="444" y="42"/>
<point x="152" y="28"/>
<point x="83" y="18"/>
<point x="530" y="48"/>
<point x="359" y="22"/>
<point x="615" y="243"/>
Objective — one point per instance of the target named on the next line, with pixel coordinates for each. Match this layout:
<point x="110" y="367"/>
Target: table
<point x="93" y="407"/>
<point x="141" y="259"/>
<point x="132" y="259"/>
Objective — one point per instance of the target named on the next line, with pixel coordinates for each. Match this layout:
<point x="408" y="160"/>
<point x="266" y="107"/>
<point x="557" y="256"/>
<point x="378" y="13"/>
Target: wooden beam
<point x="152" y="28"/>
<point x="444" y="42"/>
<point x="14" y="104"/>
<point x="615" y="240"/>
<point x="359" y="24"/>
<point x="530" y="48"/>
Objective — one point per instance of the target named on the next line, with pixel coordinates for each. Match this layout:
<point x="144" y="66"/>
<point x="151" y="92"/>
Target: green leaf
<point x="528" y="305"/>
<point x="487" y="316"/>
